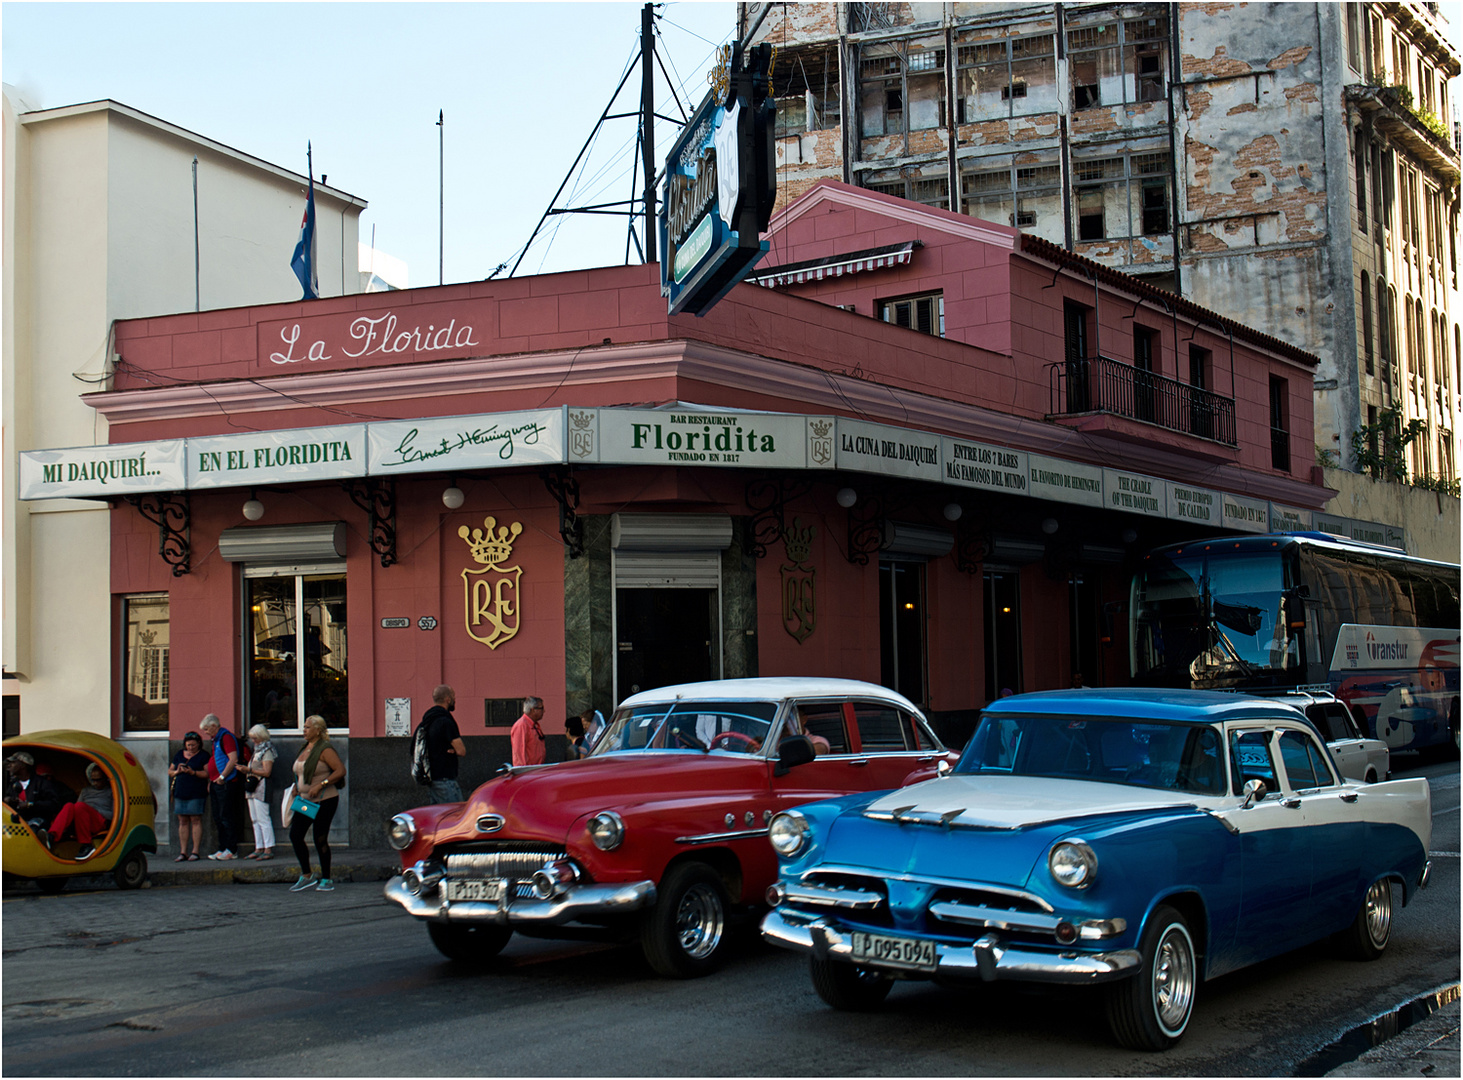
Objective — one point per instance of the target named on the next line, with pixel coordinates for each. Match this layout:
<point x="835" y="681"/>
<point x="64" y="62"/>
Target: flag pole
<point x="441" y="195"/>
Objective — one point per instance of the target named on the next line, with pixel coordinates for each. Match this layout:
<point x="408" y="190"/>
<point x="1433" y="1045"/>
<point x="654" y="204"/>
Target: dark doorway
<point x="1086" y="629"/>
<point x="1002" y="632"/>
<point x="663" y="637"/>
<point x="902" y="629"/>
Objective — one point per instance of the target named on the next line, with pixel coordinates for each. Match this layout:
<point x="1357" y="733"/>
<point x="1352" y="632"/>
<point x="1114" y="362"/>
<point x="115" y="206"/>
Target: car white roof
<point x="771" y="689"/>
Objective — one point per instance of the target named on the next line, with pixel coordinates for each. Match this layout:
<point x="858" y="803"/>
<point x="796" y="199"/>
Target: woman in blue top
<point x="189" y="770"/>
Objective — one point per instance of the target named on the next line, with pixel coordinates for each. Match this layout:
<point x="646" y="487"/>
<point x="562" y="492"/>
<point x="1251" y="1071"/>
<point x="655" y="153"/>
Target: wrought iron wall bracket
<point x="865" y="529"/>
<point x="377" y="498"/>
<point x="560" y="482"/>
<point x="169" y="511"/>
<point x="768" y="499"/>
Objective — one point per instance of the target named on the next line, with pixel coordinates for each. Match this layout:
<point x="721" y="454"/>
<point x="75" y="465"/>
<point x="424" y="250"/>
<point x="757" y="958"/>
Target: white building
<point x="101" y="222"/>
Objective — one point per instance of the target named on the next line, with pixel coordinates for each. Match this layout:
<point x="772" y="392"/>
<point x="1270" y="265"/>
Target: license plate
<point x="490" y="889"/>
<point x="893" y="951"/>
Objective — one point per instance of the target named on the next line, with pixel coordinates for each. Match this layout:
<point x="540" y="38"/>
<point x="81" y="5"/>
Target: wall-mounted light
<point x="953" y="511"/>
<point x="1050" y="525"/>
<point x="452" y="496"/>
<point x="253" y="508"/>
<point x="846" y="497"/>
<point x="1130" y="536"/>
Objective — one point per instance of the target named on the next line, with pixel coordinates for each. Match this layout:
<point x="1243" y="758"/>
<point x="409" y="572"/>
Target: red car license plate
<point x="490" y="889"/>
<point x="893" y="951"/>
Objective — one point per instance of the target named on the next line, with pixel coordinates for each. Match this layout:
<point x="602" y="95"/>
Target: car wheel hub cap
<point x="699" y="922"/>
<point x="1379" y="912"/>
<point x="1173" y="982"/>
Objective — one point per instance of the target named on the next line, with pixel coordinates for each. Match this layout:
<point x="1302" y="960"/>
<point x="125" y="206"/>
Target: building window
<point x="1145" y="349"/>
<point x="145" y="662"/>
<point x="1371" y="434"/>
<point x="902" y="89"/>
<point x="1121" y="196"/>
<point x="296" y="650"/>
<point x="1353" y="37"/>
<point x="1002" y="590"/>
<point x="1006" y="78"/>
<point x="923" y="313"/>
<point x="1118" y="63"/>
<point x="928" y="190"/>
<point x="902" y="628"/>
<point x="1361" y="151"/>
<point x="1022" y="196"/>
<point x="1376" y="154"/>
<point x="1386" y="330"/>
<point x="806" y="87"/>
<point x="1280" y="423"/>
<point x="1079" y="397"/>
<point x="1366" y="322"/>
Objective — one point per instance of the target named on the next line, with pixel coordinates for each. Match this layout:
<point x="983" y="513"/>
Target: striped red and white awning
<point x="837" y="266"/>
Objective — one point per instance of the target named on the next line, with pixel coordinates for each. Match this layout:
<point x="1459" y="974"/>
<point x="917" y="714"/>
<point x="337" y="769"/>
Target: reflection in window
<point x="145" y="663"/>
<point x="297" y="650"/>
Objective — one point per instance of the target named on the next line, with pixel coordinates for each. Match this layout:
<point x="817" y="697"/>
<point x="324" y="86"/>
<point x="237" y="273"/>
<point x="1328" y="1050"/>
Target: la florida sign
<point x="719" y="189"/>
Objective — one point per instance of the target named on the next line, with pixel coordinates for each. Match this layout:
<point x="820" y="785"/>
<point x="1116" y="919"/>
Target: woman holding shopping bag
<point x="318" y="774"/>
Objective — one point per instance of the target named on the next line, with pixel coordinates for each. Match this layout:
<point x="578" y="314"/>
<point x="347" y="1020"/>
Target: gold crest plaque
<point x="490" y="595"/>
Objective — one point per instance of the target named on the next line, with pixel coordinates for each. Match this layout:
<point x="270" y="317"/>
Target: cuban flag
<point x="303" y="260"/>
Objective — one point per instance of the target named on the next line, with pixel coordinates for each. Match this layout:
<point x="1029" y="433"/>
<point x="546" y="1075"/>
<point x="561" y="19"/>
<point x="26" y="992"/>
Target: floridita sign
<point x="679" y="436"/>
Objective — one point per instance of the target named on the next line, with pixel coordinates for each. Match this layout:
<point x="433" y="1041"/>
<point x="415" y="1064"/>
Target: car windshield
<point x="1177" y="757"/>
<point x="739" y="727"/>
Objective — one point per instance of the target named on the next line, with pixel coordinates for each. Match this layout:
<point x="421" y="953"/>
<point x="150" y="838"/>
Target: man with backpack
<point x="438" y="747"/>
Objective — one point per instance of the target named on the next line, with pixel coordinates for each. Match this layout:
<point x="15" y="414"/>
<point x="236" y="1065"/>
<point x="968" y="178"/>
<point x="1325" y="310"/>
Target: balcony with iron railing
<point x="1098" y="384"/>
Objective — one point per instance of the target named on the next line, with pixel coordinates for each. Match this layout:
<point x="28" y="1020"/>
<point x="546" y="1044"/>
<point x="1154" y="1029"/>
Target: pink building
<point x="922" y="456"/>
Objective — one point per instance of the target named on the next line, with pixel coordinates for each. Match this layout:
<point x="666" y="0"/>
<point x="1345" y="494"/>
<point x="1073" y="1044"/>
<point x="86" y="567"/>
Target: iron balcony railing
<point x="1100" y="384"/>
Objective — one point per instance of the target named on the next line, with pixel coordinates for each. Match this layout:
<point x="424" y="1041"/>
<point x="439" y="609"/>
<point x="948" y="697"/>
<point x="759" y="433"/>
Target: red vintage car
<point x="661" y="833"/>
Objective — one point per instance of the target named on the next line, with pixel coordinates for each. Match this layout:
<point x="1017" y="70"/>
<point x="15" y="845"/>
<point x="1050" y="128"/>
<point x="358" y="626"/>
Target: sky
<point x="520" y="86"/>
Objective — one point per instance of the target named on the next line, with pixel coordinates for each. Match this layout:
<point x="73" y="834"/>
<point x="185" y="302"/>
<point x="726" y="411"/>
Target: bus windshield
<point x="1209" y="618"/>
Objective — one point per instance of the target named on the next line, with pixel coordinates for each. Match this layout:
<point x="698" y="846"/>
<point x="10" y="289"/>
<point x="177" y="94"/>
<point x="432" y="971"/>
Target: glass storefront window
<point x="295" y="637"/>
<point x="145" y="663"/>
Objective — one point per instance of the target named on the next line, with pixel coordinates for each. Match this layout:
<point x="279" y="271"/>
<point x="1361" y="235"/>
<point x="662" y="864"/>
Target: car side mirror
<point x="943" y="767"/>
<point x="793" y="751"/>
<point x="1254" y="791"/>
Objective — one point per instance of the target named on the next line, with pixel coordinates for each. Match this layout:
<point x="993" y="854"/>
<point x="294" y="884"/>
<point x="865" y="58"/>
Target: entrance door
<point x="663" y="637"/>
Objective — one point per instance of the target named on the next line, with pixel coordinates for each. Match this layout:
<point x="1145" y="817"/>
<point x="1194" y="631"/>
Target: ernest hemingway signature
<point x="407" y="453"/>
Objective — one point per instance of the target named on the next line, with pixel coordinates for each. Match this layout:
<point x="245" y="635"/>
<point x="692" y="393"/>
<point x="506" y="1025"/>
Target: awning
<point x="835" y="265"/>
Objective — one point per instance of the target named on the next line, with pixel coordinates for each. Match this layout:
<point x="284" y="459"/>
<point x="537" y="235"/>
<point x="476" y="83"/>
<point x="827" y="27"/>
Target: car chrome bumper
<point x="989" y="958"/>
<point x="578" y="902"/>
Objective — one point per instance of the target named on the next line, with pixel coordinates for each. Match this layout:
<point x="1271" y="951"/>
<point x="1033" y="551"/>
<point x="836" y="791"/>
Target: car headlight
<point x="1073" y="863"/>
<point x="606" y="830"/>
<point x="402" y="831"/>
<point x="789" y="832"/>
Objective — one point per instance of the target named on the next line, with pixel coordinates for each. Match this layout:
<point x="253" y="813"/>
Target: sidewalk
<point x="1429" y="1047"/>
<point x="347" y="864"/>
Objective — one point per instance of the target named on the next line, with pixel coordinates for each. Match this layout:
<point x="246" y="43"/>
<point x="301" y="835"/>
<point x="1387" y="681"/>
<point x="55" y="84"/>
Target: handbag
<point x="285" y="813"/>
<point x="302" y="805"/>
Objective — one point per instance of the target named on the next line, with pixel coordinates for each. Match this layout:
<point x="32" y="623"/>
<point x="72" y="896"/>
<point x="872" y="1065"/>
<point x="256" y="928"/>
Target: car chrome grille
<point x="517" y="860"/>
<point x="968" y="913"/>
<point x="859" y="897"/>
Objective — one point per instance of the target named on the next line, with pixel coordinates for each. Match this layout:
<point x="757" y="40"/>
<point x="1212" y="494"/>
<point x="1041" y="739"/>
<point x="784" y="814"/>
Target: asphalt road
<point x="254" y="980"/>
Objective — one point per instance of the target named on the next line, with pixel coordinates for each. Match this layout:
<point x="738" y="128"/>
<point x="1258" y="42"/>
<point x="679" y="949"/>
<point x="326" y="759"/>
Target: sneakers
<point x="326" y="885"/>
<point x="46" y="839"/>
<point x="307" y="881"/>
<point x="222" y="856"/>
<point x="85" y="852"/>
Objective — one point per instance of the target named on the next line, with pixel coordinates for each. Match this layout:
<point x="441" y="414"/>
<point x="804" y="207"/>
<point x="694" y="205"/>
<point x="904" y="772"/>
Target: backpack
<point x="421" y="764"/>
<point x="245" y="748"/>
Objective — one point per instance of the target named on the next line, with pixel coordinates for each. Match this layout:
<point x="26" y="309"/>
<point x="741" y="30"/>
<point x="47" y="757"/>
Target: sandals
<point x="180" y="858"/>
<point x="266" y="855"/>
<point x="193" y="857"/>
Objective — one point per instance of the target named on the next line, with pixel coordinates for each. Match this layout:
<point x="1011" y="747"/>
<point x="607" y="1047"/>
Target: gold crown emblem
<point x="798" y="541"/>
<point x="491" y="547"/>
<point x="581" y="420"/>
<point x="821" y="428"/>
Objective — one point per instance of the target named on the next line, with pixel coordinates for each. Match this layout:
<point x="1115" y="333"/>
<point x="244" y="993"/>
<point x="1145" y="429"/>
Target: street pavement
<point x="1428" y="1048"/>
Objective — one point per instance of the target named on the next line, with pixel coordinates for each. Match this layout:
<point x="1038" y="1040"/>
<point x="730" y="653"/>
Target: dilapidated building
<point x="1290" y="165"/>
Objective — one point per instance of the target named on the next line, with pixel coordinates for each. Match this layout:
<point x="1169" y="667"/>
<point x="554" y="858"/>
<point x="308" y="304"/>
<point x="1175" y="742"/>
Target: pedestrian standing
<point x="445" y="748"/>
<point x="527" y="736"/>
<point x="189" y="770"/>
<point x="256" y="771"/>
<point x="318" y="772"/>
<point x="224" y="774"/>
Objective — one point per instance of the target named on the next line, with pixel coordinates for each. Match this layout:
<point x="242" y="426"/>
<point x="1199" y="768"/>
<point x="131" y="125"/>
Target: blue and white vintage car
<point x="1144" y="839"/>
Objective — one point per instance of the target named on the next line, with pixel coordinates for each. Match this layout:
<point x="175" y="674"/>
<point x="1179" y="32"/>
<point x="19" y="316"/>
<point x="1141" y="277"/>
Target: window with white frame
<point x="145" y="662"/>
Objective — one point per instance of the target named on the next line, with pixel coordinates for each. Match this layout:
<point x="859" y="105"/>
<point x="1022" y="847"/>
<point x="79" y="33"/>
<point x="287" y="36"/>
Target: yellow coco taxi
<point x="121" y="849"/>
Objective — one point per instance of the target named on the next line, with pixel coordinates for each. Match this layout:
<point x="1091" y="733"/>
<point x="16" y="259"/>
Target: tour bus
<point x="1289" y="610"/>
